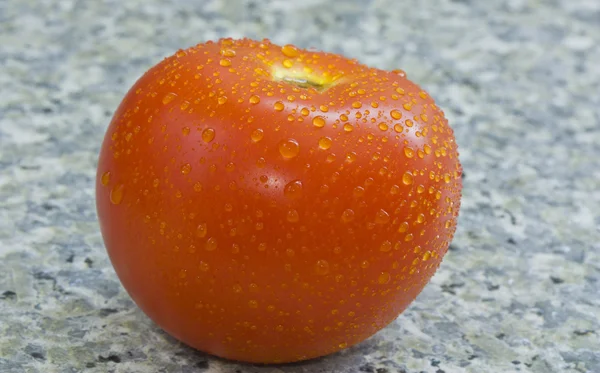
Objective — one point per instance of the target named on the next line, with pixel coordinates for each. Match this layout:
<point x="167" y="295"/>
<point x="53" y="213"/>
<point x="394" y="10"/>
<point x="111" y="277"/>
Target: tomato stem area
<point x="305" y="83"/>
<point x="302" y="79"/>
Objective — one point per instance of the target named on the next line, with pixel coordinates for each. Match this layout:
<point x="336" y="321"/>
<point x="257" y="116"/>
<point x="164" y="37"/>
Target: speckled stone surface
<point x="518" y="292"/>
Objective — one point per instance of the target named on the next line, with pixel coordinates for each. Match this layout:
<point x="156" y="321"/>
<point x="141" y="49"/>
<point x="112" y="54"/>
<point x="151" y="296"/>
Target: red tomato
<point x="274" y="204"/>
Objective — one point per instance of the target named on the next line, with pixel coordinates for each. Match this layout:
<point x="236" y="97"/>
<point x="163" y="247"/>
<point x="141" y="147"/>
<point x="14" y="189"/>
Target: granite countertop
<point x="519" y="290"/>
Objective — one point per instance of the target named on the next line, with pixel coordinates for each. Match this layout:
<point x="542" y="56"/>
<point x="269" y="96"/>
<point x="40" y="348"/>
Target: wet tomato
<point x="274" y="204"/>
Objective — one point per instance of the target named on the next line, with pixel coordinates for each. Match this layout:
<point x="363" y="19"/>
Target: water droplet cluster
<point x="279" y="194"/>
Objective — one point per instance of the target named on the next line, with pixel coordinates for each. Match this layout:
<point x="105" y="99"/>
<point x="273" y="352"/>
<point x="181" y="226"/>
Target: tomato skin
<point x="271" y="204"/>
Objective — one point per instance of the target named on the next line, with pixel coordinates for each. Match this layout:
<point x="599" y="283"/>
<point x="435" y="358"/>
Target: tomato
<point x="273" y="204"/>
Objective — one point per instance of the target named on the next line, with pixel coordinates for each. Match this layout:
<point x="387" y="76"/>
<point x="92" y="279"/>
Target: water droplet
<point x="257" y="135"/>
<point x="407" y="178"/>
<point x="357" y="104"/>
<point x="252" y="304"/>
<point x="358" y="192"/>
<point x="382" y="217"/>
<point x="343" y="345"/>
<point x="254" y="99"/>
<point x="204" y="267"/>
<point x="237" y="288"/>
<point x="383" y="126"/>
<point x="426" y="255"/>
<point x="409" y="152"/>
<point x="293" y="216"/>
<point x="293" y="189"/>
<point x="403" y="227"/>
<point x="351" y="157"/>
<point x="347" y="216"/>
<point x="186" y="169"/>
<point x="409" y="123"/>
<point x="262" y="246"/>
<point x="399" y="72"/>
<point x="408" y="237"/>
<point x="222" y="99"/>
<point x="105" y="178"/>
<point x="407" y="106"/>
<point x="225" y="62"/>
<point x="287" y="63"/>
<point x="395" y="114"/>
<point x="289" y="148"/>
<point x="395" y="189"/>
<point x="278" y="105"/>
<point x="116" y="194"/>
<point x="228" y="52"/>
<point x="384" y="278"/>
<point x="348" y="127"/>
<point x="168" y="98"/>
<point x="208" y="135"/>
<point x="211" y="244"/>
<point x="385" y="246"/>
<point x="322" y="267"/>
<point x="364" y="264"/>
<point x="230" y="167"/>
<point x="318" y="121"/>
<point x="201" y="230"/>
<point x="261" y="162"/>
<point x="197" y="186"/>
<point x="290" y="51"/>
<point x="325" y="143"/>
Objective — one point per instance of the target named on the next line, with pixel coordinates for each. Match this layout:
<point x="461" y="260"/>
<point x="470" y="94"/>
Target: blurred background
<point x="518" y="80"/>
